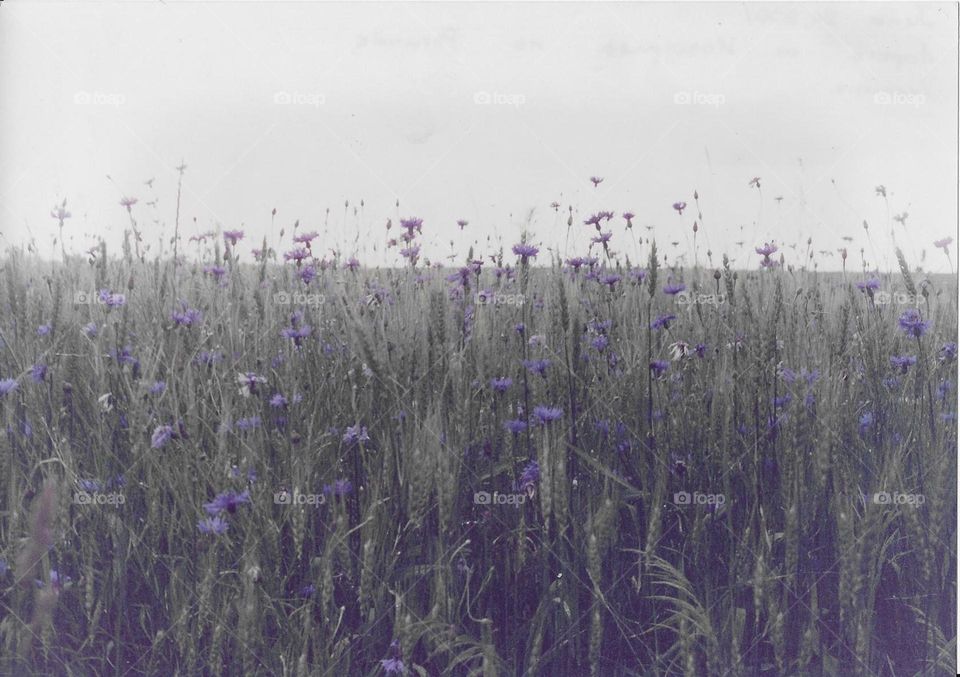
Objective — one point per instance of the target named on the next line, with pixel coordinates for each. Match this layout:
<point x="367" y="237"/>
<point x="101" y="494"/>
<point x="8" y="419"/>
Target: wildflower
<point x="412" y="224"/>
<point x="297" y="254"/>
<point x="412" y="253"/>
<point x="873" y="284"/>
<point x="90" y="485"/>
<point x="216" y="271"/>
<point x="680" y="206"/>
<point x="944" y="243"/>
<point x="90" y="330"/>
<point x="307" y="274"/>
<point x="912" y="324"/>
<point x="278" y="401"/>
<point x="600" y="342"/>
<point x="158" y="387"/>
<point x="701" y="350"/>
<point x="903" y="362"/>
<point x="308" y="590"/>
<point x="515" y="426"/>
<point x="767" y="249"/>
<point x="161" y="435"/>
<point x="393" y="665"/>
<point x="638" y="275"/>
<point x="38" y="372"/>
<point x="228" y="500"/>
<point x="603" y="238"/>
<point x="232" y="237"/>
<point x="43" y="330"/>
<point x="663" y="322"/>
<point x="355" y="434"/>
<point x="547" y="414"/>
<point x="212" y="525"/>
<point x="948" y="352"/>
<point x="250" y="423"/>
<point x="537" y="366"/>
<point x="520" y="328"/>
<point x="297" y="334"/>
<point x="629" y="217"/>
<point x="352" y="264"/>
<point x="610" y="280"/>
<point x="596" y="180"/>
<point x="306" y="238"/>
<point x="658" y="367"/>
<point x="501" y="385"/>
<point x="525" y="251"/>
<point x="674" y="289"/>
<point x="186" y="317"/>
<point x="529" y="477"/>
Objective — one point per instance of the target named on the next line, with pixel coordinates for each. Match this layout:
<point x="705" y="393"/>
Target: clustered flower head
<point x="913" y="324"/>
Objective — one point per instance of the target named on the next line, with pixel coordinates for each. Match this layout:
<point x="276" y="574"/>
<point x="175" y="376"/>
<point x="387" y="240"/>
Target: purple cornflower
<point x="412" y="224"/>
<point x="674" y="289"/>
<point x="352" y="264"/>
<point x="600" y="342"/>
<point x="767" y="249"/>
<point x="306" y="238"/>
<point x="462" y="223"/>
<point x="638" y="275"/>
<point x="412" y="253"/>
<point x="596" y="180"/>
<point x="38" y="372"/>
<point x="603" y="238"/>
<point x="529" y="477"/>
<point x="278" y="401"/>
<point x="43" y="330"/>
<point x="515" y="426"/>
<point x="873" y="284"/>
<point x="948" y="352"/>
<point x="307" y="274"/>
<point x="903" y="362"/>
<point x="355" y="434"/>
<point x="393" y="666"/>
<point x="297" y="254"/>
<point x="629" y="217"/>
<point x="212" y="525"/>
<point x="944" y="243"/>
<point x="501" y="385"/>
<point x="161" y="435"/>
<point x="158" y="387"/>
<point x="700" y="349"/>
<point x="90" y="485"/>
<point x="90" y="330"/>
<point x="912" y="323"/>
<point x="217" y="271"/>
<point x="228" y="501"/>
<point x="547" y="414"/>
<point x="525" y="251"/>
<point x="250" y="423"/>
<point x="658" y="367"/>
<point x="297" y="334"/>
<point x="537" y="366"/>
<point x="128" y="202"/>
<point x="610" y="279"/>
<point x="680" y="206"/>
<point x="520" y="328"/>
<point x="663" y="322"/>
<point x="232" y="237"/>
<point x="186" y="317"/>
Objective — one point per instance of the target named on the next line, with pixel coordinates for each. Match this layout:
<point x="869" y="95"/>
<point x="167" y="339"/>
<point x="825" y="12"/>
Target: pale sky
<point x="483" y="112"/>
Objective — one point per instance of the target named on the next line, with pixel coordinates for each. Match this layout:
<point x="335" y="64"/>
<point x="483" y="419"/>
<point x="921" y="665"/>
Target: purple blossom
<point x="873" y="284"/>
<point x="38" y="372"/>
<point x="501" y="385"/>
<point x="186" y="317"/>
<point x="547" y="414"/>
<point x="600" y="342"/>
<point x="948" y="352"/>
<point x="278" y="401"/>
<point x="212" y="525"/>
<point x="43" y="330"/>
<point x="161" y="435"/>
<point x="90" y="330"/>
<point x="529" y="477"/>
<point x="767" y="249"/>
<point x="341" y="487"/>
<point x="674" y="289"/>
<point x="515" y="426"/>
<point x="903" y="362"/>
<point x="912" y="323"/>
<point x="662" y="322"/>
<point x="232" y="237"/>
<point x="610" y="279"/>
<point x="537" y="366"/>
<point x="525" y="251"/>
<point x="680" y="206"/>
<point x="158" y="387"/>
<point x="658" y="367"/>
<point x="228" y="500"/>
<point x="355" y="434"/>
